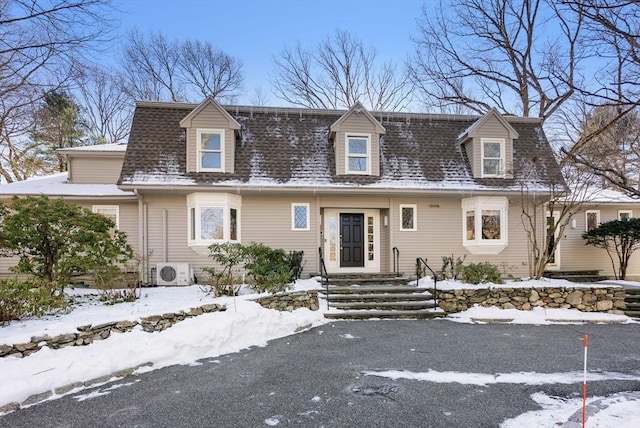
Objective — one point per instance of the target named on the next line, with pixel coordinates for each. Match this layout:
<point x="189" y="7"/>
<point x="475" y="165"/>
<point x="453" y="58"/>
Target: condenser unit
<point x="173" y="274"/>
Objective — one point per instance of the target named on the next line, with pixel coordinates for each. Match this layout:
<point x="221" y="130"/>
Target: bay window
<point x="213" y="218"/>
<point x="485" y="224"/>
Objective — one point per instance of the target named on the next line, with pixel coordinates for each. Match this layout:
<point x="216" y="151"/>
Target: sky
<point x="194" y="340"/>
<point x="256" y="30"/>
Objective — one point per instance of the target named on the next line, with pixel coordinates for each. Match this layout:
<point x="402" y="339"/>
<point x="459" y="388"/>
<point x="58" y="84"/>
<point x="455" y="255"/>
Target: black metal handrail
<point x="396" y="261"/>
<point x="324" y="276"/>
<point x="422" y="261"/>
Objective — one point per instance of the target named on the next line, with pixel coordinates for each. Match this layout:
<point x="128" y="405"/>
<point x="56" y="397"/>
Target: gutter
<point x="143" y="244"/>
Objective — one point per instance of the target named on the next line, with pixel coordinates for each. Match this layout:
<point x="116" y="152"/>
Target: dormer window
<point x="493" y="157"/>
<point x="211" y="150"/>
<point x="358" y="154"/>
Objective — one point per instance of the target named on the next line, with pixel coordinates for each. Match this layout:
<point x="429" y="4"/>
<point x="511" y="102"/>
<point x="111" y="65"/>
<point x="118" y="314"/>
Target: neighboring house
<point x="573" y="255"/>
<point x="354" y="183"/>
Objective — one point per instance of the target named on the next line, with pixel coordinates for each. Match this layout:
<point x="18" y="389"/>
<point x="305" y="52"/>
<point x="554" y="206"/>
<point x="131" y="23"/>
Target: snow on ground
<point x="246" y="324"/>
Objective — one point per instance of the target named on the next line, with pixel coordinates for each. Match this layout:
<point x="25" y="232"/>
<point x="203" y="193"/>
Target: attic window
<point x="211" y="150"/>
<point x="358" y="159"/>
<point x="493" y="160"/>
<point x="484" y="224"/>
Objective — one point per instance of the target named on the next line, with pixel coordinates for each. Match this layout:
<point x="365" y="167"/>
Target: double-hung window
<point x="493" y="159"/>
<point x="211" y="150"/>
<point x="112" y="212"/>
<point x="300" y="216"/>
<point x="408" y="216"/>
<point x="484" y="224"/>
<point x="213" y="218"/>
<point x="625" y="214"/>
<point x="358" y="156"/>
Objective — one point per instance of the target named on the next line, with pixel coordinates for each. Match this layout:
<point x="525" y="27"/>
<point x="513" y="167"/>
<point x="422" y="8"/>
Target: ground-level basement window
<point x="484" y="224"/>
<point x="213" y="218"/>
<point x="112" y="212"/>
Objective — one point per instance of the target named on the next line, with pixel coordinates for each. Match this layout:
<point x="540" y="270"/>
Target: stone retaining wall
<point x="291" y="301"/>
<point x="606" y="299"/>
<point x="87" y="334"/>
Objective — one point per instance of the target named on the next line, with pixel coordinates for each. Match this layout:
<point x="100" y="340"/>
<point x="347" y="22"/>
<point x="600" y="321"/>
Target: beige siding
<point x="95" y="170"/>
<point x="268" y="220"/>
<point x="357" y="124"/>
<point x="440" y="234"/>
<point x="575" y="255"/>
<point x="210" y="118"/>
<point x="386" y="255"/>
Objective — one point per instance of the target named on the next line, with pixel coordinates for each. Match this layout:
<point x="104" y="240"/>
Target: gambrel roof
<point x="291" y="148"/>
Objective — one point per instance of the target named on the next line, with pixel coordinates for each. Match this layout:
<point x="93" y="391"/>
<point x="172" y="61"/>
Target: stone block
<point x="5" y="350"/>
<point x="534" y="296"/>
<point x="70" y="387"/>
<point x="9" y="407"/>
<point x="574" y="298"/>
<point x="508" y="306"/>
<point x="604" y="305"/>
<point x="36" y="398"/>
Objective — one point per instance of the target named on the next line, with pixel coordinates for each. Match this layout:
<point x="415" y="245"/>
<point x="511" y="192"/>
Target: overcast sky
<point x="256" y="30"/>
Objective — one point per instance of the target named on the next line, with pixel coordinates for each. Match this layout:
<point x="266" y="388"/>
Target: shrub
<point x="228" y="256"/>
<point x="29" y="297"/>
<point x="476" y="273"/>
<point x="270" y="268"/>
<point x="451" y="269"/>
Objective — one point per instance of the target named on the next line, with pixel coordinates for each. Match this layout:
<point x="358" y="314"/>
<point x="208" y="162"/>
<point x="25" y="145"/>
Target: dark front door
<point x="352" y="240"/>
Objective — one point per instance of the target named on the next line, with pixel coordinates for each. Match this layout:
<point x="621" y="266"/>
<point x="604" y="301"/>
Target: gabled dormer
<point x="356" y="138"/>
<point x="211" y="135"/>
<point x="488" y="143"/>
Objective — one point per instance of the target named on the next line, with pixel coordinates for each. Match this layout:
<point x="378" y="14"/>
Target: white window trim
<point x="502" y="168"/>
<point x="414" y="207"/>
<point x="96" y="208"/>
<point x="586" y="218"/>
<point x="630" y="212"/>
<point x="478" y="204"/>
<point x="199" y="133"/>
<point x="348" y="154"/>
<point x="225" y="201"/>
<point x="293" y="217"/>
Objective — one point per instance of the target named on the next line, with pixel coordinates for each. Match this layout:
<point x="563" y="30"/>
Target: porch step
<point x="395" y="314"/>
<point x="362" y="299"/>
<point x="576" y="275"/>
<point x="632" y="302"/>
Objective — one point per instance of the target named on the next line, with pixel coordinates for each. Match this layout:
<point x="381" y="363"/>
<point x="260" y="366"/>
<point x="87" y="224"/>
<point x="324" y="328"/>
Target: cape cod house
<point x="371" y="190"/>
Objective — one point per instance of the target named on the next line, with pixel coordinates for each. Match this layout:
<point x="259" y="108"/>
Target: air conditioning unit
<point x="173" y="274"/>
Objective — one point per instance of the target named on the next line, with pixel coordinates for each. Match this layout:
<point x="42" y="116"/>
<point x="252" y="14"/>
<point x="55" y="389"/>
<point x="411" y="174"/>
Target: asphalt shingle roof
<point x="291" y="148"/>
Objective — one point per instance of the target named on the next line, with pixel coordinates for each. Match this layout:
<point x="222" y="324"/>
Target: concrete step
<point x="362" y="314"/>
<point x="401" y="305"/>
<point x="374" y="289"/>
<point x="386" y="280"/>
<point x="633" y="314"/>
<point x="632" y="292"/>
<point x="378" y="297"/>
<point x="632" y="306"/>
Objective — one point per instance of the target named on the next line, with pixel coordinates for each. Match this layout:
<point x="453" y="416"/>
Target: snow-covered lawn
<point x="244" y="324"/>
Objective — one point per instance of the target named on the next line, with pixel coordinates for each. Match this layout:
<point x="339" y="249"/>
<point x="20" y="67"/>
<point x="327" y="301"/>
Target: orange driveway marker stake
<point x="584" y="382"/>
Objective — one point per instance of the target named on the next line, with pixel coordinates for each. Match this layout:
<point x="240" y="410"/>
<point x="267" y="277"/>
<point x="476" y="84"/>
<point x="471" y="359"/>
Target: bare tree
<point x="336" y="74"/>
<point x="38" y="41"/>
<point x="486" y="53"/>
<point x="613" y="27"/>
<point x="159" y="69"/>
<point x="106" y="108"/>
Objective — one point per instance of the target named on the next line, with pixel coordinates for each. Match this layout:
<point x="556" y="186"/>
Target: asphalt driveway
<point x="317" y="379"/>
